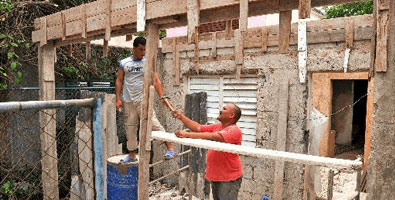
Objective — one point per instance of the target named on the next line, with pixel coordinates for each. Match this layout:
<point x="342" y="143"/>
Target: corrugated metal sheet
<point x="222" y="90"/>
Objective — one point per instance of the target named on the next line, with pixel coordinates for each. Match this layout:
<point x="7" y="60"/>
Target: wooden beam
<point x="373" y="41"/>
<point x="88" y="51"/>
<point x="141" y="15"/>
<point x="228" y="29"/>
<point x="265" y="38"/>
<point x="196" y="52"/>
<point x="49" y="162"/>
<point x="224" y="9"/>
<point x="243" y="21"/>
<point x="304" y="9"/>
<point x="214" y="43"/>
<point x="70" y="50"/>
<point x="176" y="63"/>
<point x="302" y="51"/>
<point x="284" y="31"/>
<point x="107" y="35"/>
<point x="193" y="11"/>
<point x="105" y="48"/>
<point x="281" y="139"/>
<point x="239" y="52"/>
<point x="350" y="34"/>
<point x="383" y="18"/>
<point x="144" y="155"/>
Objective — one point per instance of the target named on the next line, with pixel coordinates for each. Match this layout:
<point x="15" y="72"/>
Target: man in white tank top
<point x="130" y="82"/>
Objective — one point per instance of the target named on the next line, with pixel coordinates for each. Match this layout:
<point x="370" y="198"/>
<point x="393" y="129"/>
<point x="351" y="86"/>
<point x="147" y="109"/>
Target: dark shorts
<point x="227" y="190"/>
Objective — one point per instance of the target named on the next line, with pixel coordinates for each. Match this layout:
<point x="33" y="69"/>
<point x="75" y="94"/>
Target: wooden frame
<point x="105" y="18"/>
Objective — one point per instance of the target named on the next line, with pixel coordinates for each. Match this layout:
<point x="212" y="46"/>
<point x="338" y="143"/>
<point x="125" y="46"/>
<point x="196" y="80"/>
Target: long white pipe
<point x="30" y="105"/>
<point x="258" y="152"/>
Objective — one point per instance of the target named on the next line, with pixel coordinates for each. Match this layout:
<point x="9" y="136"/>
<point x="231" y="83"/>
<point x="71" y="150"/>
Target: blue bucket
<point x="121" y="179"/>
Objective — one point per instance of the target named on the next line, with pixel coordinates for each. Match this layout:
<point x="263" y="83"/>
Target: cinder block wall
<point x="271" y="68"/>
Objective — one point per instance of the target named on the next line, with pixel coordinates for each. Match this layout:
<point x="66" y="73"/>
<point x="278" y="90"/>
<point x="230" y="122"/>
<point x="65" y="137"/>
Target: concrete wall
<point x="271" y="68"/>
<point x="381" y="173"/>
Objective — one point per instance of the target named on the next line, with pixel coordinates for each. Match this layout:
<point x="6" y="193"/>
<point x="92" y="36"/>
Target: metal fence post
<point x="98" y="148"/>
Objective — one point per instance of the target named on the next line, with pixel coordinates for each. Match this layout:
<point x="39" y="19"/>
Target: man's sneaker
<point x="170" y="155"/>
<point x="128" y="159"/>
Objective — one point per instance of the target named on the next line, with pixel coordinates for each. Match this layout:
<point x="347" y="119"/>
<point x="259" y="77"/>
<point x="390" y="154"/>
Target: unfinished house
<point x="310" y="91"/>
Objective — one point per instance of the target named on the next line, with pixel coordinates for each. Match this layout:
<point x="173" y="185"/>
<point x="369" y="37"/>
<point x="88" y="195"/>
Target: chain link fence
<point x="25" y="147"/>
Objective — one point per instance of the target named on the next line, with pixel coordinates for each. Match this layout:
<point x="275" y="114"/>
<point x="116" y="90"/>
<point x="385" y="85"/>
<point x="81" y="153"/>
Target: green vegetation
<point x="349" y="9"/>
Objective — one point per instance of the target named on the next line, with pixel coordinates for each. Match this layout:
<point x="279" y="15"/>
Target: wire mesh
<point x="25" y="147"/>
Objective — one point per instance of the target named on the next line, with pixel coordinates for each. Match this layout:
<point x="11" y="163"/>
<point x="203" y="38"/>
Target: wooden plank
<point x="239" y="52"/>
<point x="97" y="22"/>
<point x="369" y="122"/>
<point x="196" y="52"/>
<point x="285" y="31"/>
<point x="70" y="50"/>
<point x="49" y="162"/>
<point x="193" y="12"/>
<point x="265" y="38"/>
<point x="382" y="41"/>
<point x="124" y="16"/>
<point x="150" y="115"/>
<point x="302" y="49"/>
<point x="83" y="22"/>
<point x="228" y="29"/>
<point x="96" y="8"/>
<point x="105" y="48"/>
<point x="281" y="139"/>
<point x="88" y="51"/>
<point x="350" y="34"/>
<point x="144" y="155"/>
<point x="331" y="174"/>
<point x="43" y="37"/>
<point x="107" y="34"/>
<point x="243" y="23"/>
<point x="122" y="4"/>
<point x="373" y="42"/>
<point x="141" y="15"/>
<point x="176" y="63"/>
<point x="214" y="43"/>
<point x="304" y="9"/>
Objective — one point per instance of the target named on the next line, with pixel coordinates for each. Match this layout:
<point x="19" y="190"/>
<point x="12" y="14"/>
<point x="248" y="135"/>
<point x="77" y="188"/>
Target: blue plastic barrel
<point x="121" y="179"/>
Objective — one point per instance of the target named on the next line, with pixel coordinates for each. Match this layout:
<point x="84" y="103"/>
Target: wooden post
<point x="265" y="38"/>
<point x="331" y="174"/>
<point x="383" y="21"/>
<point x="144" y="155"/>
<point x="176" y="64"/>
<point x="304" y="9"/>
<point x="239" y="48"/>
<point x="193" y="19"/>
<point x="284" y="31"/>
<point x="49" y="162"/>
<point x="281" y="139"/>
<point x="141" y="15"/>
<point x="243" y="23"/>
<point x="88" y="52"/>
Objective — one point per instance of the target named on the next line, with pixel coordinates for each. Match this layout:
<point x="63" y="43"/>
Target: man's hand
<point x="181" y="134"/>
<point x="177" y="114"/>
<point x="119" y="104"/>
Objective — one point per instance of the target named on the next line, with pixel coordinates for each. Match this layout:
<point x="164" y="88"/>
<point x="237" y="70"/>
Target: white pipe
<point x="30" y="105"/>
<point x="258" y="152"/>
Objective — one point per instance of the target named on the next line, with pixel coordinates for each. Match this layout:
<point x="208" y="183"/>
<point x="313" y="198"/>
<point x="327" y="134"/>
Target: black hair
<point x="138" y="41"/>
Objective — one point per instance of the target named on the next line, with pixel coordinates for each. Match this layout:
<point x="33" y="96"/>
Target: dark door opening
<point x="349" y="122"/>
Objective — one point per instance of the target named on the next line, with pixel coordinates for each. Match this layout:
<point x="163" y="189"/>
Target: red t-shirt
<point x="222" y="166"/>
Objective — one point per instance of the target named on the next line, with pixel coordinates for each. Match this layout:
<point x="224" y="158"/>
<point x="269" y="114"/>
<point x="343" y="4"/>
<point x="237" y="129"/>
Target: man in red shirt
<point x="223" y="169"/>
